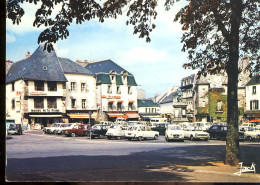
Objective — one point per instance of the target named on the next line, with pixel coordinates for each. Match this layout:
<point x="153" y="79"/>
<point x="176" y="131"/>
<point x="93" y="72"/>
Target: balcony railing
<point x="122" y="108"/>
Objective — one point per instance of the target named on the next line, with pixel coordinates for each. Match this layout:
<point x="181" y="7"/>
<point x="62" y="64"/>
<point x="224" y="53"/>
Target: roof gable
<point x="146" y="103"/>
<point x="105" y="67"/>
<point x="255" y="80"/>
<point x="71" y="67"/>
<point x="41" y="65"/>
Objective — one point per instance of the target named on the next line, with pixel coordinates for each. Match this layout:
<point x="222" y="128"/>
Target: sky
<point x="156" y="65"/>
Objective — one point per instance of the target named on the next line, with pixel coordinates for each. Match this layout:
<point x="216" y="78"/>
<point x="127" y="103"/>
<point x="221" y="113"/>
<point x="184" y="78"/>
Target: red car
<point x="77" y="130"/>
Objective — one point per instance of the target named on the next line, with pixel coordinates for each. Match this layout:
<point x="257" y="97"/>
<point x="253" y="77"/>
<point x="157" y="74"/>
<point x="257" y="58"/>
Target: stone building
<point x="147" y="109"/>
<point x="116" y="91"/>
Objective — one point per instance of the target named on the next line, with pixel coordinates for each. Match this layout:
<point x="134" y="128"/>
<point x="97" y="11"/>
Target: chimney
<point x="83" y="63"/>
<point x="28" y="54"/>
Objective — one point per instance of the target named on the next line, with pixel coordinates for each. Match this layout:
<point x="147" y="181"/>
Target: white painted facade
<point x="252" y="95"/>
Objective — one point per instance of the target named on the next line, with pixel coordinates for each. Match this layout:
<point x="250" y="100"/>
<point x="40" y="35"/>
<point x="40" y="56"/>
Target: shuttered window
<point x="52" y="103"/>
<point x="38" y="103"/>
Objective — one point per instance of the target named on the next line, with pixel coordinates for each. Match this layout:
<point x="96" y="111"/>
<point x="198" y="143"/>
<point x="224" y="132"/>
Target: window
<point x="110" y="105"/>
<point x="112" y="77"/>
<point x="254" y="105"/>
<point x="130" y="105"/>
<point x="118" y="91"/>
<point x="13" y="86"/>
<point x="129" y="90"/>
<point x="254" y="90"/>
<point x="73" y="103"/>
<point x="203" y="104"/>
<point x="83" y="103"/>
<point x="119" y="106"/>
<point x="83" y="87"/>
<point x="146" y="109"/>
<point x="39" y="85"/>
<point x="52" y="86"/>
<point x="73" y="86"/>
<point x="219" y="106"/>
<point x="109" y="89"/>
<point x="38" y="103"/>
<point x="52" y="103"/>
<point x="13" y="104"/>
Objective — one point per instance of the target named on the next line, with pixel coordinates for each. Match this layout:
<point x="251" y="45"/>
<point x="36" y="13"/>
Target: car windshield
<point x="12" y="126"/>
<point x="96" y="127"/>
<point x="132" y="128"/>
<point x="174" y="127"/>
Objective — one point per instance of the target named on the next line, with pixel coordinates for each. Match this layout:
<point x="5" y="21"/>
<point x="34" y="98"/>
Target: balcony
<point x="122" y="108"/>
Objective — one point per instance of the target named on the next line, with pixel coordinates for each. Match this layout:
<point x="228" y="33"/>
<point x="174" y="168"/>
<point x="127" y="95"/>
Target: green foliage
<point x="216" y="95"/>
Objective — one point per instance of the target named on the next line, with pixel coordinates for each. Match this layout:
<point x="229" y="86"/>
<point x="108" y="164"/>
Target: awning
<point x="111" y="101"/>
<point x="120" y="101"/>
<point x="46" y="116"/>
<point x="131" y="101"/>
<point x="131" y="116"/>
<point x="115" y="115"/>
<point x="83" y="116"/>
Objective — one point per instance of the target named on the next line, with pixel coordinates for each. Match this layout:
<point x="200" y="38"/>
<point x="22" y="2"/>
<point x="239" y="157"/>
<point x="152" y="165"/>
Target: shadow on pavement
<point x="134" y="167"/>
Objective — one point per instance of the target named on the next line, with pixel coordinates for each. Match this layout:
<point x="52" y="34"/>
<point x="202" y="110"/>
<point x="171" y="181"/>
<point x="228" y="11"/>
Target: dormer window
<point x="45" y="68"/>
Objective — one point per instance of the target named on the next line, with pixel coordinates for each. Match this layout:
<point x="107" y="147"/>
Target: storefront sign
<point x="38" y="93"/>
<point x="45" y="110"/>
<point x="103" y="96"/>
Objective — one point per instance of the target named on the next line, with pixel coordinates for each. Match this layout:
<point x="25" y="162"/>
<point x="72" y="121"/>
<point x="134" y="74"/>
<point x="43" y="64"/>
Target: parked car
<point x="252" y="134"/>
<point x="52" y="128"/>
<point x="140" y="132"/>
<point x="160" y="127"/>
<point x="116" y="131"/>
<point x="202" y="125"/>
<point x="192" y="134"/>
<point x="65" y="126"/>
<point x="220" y="132"/>
<point x="98" y="131"/>
<point x="77" y="130"/>
<point x="15" y="129"/>
<point x="245" y="126"/>
<point x="174" y="132"/>
<point x="187" y="126"/>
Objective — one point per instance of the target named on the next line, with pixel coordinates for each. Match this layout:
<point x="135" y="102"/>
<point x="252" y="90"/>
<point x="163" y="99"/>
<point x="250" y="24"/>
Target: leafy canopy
<point x="206" y="25"/>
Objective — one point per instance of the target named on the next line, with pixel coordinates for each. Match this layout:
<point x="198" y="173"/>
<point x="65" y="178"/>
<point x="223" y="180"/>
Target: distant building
<point x="147" y="109"/>
<point x="116" y="91"/>
<point x="253" y="98"/>
<point x="141" y="94"/>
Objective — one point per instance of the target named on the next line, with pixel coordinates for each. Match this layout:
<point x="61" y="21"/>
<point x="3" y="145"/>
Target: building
<point x="148" y="109"/>
<point x="187" y="90"/>
<point x="116" y="91"/>
<point x="252" y="111"/>
<point x="36" y="89"/>
<point x="80" y="92"/>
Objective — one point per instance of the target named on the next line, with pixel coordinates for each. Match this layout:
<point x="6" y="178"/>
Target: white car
<point x="196" y="134"/>
<point x="245" y="126"/>
<point x="59" y="130"/>
<point x="252" y="134"/>
<point x="202" y="125"/>
<point x="52" y="128"/>
<point x="174" y="132"/>
<point x="140" y="132"/>
<point x="116" y="131"/>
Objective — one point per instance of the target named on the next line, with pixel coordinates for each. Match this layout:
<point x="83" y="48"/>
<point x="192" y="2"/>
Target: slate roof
<point x="169" y="98"/>
<point x="146" y="103"/>
<point x="71" y="67"/>
<point x="103" y="78"/>
<point x="41" y="65"/>
<point x="105" y="67"/>
<point x="255" y="80"/>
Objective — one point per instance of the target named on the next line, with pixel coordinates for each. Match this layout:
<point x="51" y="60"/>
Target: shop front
<point x="79" y="117"/>
<point x="38" y="121"/>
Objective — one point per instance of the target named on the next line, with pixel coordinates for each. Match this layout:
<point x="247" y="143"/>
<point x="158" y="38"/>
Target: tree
<point x="217" y="33"/>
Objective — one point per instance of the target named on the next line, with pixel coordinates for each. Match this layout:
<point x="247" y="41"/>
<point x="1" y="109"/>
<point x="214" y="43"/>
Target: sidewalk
<point x="210" y="172"/>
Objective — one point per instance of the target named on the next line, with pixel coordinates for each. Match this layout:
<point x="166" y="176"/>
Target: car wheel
<point x="191" y="138"/>
<point x="62" y="132"/>
<point x="55" y="132"/>
<point x="109" y="137"/>
<point x="140" y="138"/>
<point x="156" y="137"/>
<point x="166" y="138"/>
<point x="250" y="138"/>
<point x="129" y="139"/>
<point x="118" y="137"/>
<point x="206" y="139"/>
<point x="73" y="134"/>
<point x="92" y="137"/>
<point x="100" y="136"/>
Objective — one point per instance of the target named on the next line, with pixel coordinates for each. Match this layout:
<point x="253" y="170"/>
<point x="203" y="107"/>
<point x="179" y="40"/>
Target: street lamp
<point x="89" y="112"/>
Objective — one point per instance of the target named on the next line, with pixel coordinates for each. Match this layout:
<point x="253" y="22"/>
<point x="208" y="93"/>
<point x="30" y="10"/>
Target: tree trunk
<point x="232" y="139"/>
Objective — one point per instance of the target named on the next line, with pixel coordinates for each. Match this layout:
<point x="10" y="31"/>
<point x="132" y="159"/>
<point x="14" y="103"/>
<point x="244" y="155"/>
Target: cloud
<point x="10" y="38"/>
<point x="140" y="55"/>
